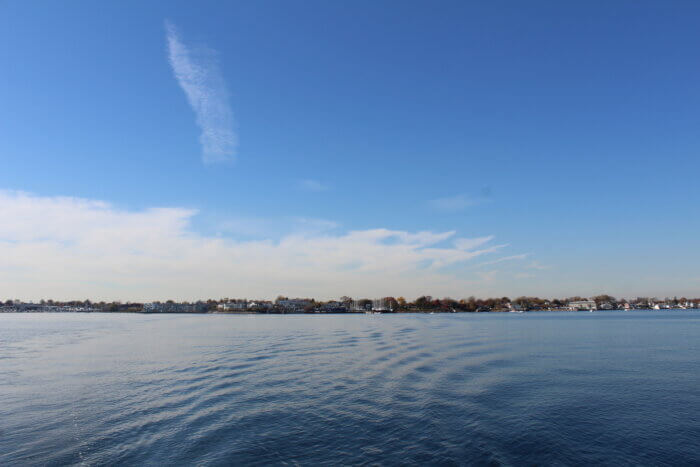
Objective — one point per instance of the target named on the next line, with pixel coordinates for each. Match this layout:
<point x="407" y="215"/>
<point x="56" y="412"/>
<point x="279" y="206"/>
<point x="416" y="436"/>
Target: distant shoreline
<point x="348" y="305"/>
<point x="301" y="313"/>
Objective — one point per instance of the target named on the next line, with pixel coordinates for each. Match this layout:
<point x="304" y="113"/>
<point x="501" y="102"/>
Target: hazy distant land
<point x="423" y="304"/>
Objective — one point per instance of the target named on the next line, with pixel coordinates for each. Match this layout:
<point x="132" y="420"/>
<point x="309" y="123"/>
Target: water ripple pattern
<point x="455" y="389"/>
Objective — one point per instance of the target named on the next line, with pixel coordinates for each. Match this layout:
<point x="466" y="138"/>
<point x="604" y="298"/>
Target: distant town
<point x="423" y="304"/>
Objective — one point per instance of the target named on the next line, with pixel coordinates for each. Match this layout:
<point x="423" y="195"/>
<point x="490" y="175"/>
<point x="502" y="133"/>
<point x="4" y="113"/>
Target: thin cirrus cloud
<point x="69" y="248"/>
<point x="537" y="265"/>
<point x="470" y="243"/>
<point x="198" y="74"/>
<point x="506" y="258"/>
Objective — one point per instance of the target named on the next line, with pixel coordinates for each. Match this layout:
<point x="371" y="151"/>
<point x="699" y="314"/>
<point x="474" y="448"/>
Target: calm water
<point x="540" y="388"/>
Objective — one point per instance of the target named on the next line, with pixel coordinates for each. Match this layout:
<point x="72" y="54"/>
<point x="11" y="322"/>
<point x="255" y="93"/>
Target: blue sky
<point x="565" y="133"/>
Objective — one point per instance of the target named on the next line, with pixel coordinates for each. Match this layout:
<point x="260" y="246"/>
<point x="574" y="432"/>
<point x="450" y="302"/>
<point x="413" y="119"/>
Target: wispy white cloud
<point x="312" y="185"/>
<point x="62" y="247"/>
<point x="469" y="243"/>
<point x="454" y="203"/>
<point x="537" y="265"/>
<point x="198" y="75"/>
<point x="506" y="258"/>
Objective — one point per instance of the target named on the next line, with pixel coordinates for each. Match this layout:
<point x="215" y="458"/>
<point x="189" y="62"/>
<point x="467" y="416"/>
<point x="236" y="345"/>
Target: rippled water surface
<point x="536" y="388"/>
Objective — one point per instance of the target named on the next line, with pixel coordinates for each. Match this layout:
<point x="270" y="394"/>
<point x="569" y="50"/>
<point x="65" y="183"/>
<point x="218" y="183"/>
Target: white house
<point x="582" y="305"/>
<point x="238" y="305"/>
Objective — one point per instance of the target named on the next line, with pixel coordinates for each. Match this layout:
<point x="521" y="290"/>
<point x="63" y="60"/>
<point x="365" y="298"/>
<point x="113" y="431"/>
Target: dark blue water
<point x="615" y="388"/>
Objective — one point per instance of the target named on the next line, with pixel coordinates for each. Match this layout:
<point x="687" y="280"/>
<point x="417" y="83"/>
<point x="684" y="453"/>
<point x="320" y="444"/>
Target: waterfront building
<point x="236" y="305"/>
<point x="260" y="305"/>
<point x="171" y="307"/>
<point x="294" y="304"/>
<point x="334" y="307"/>
<point x="582" y="305"/>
